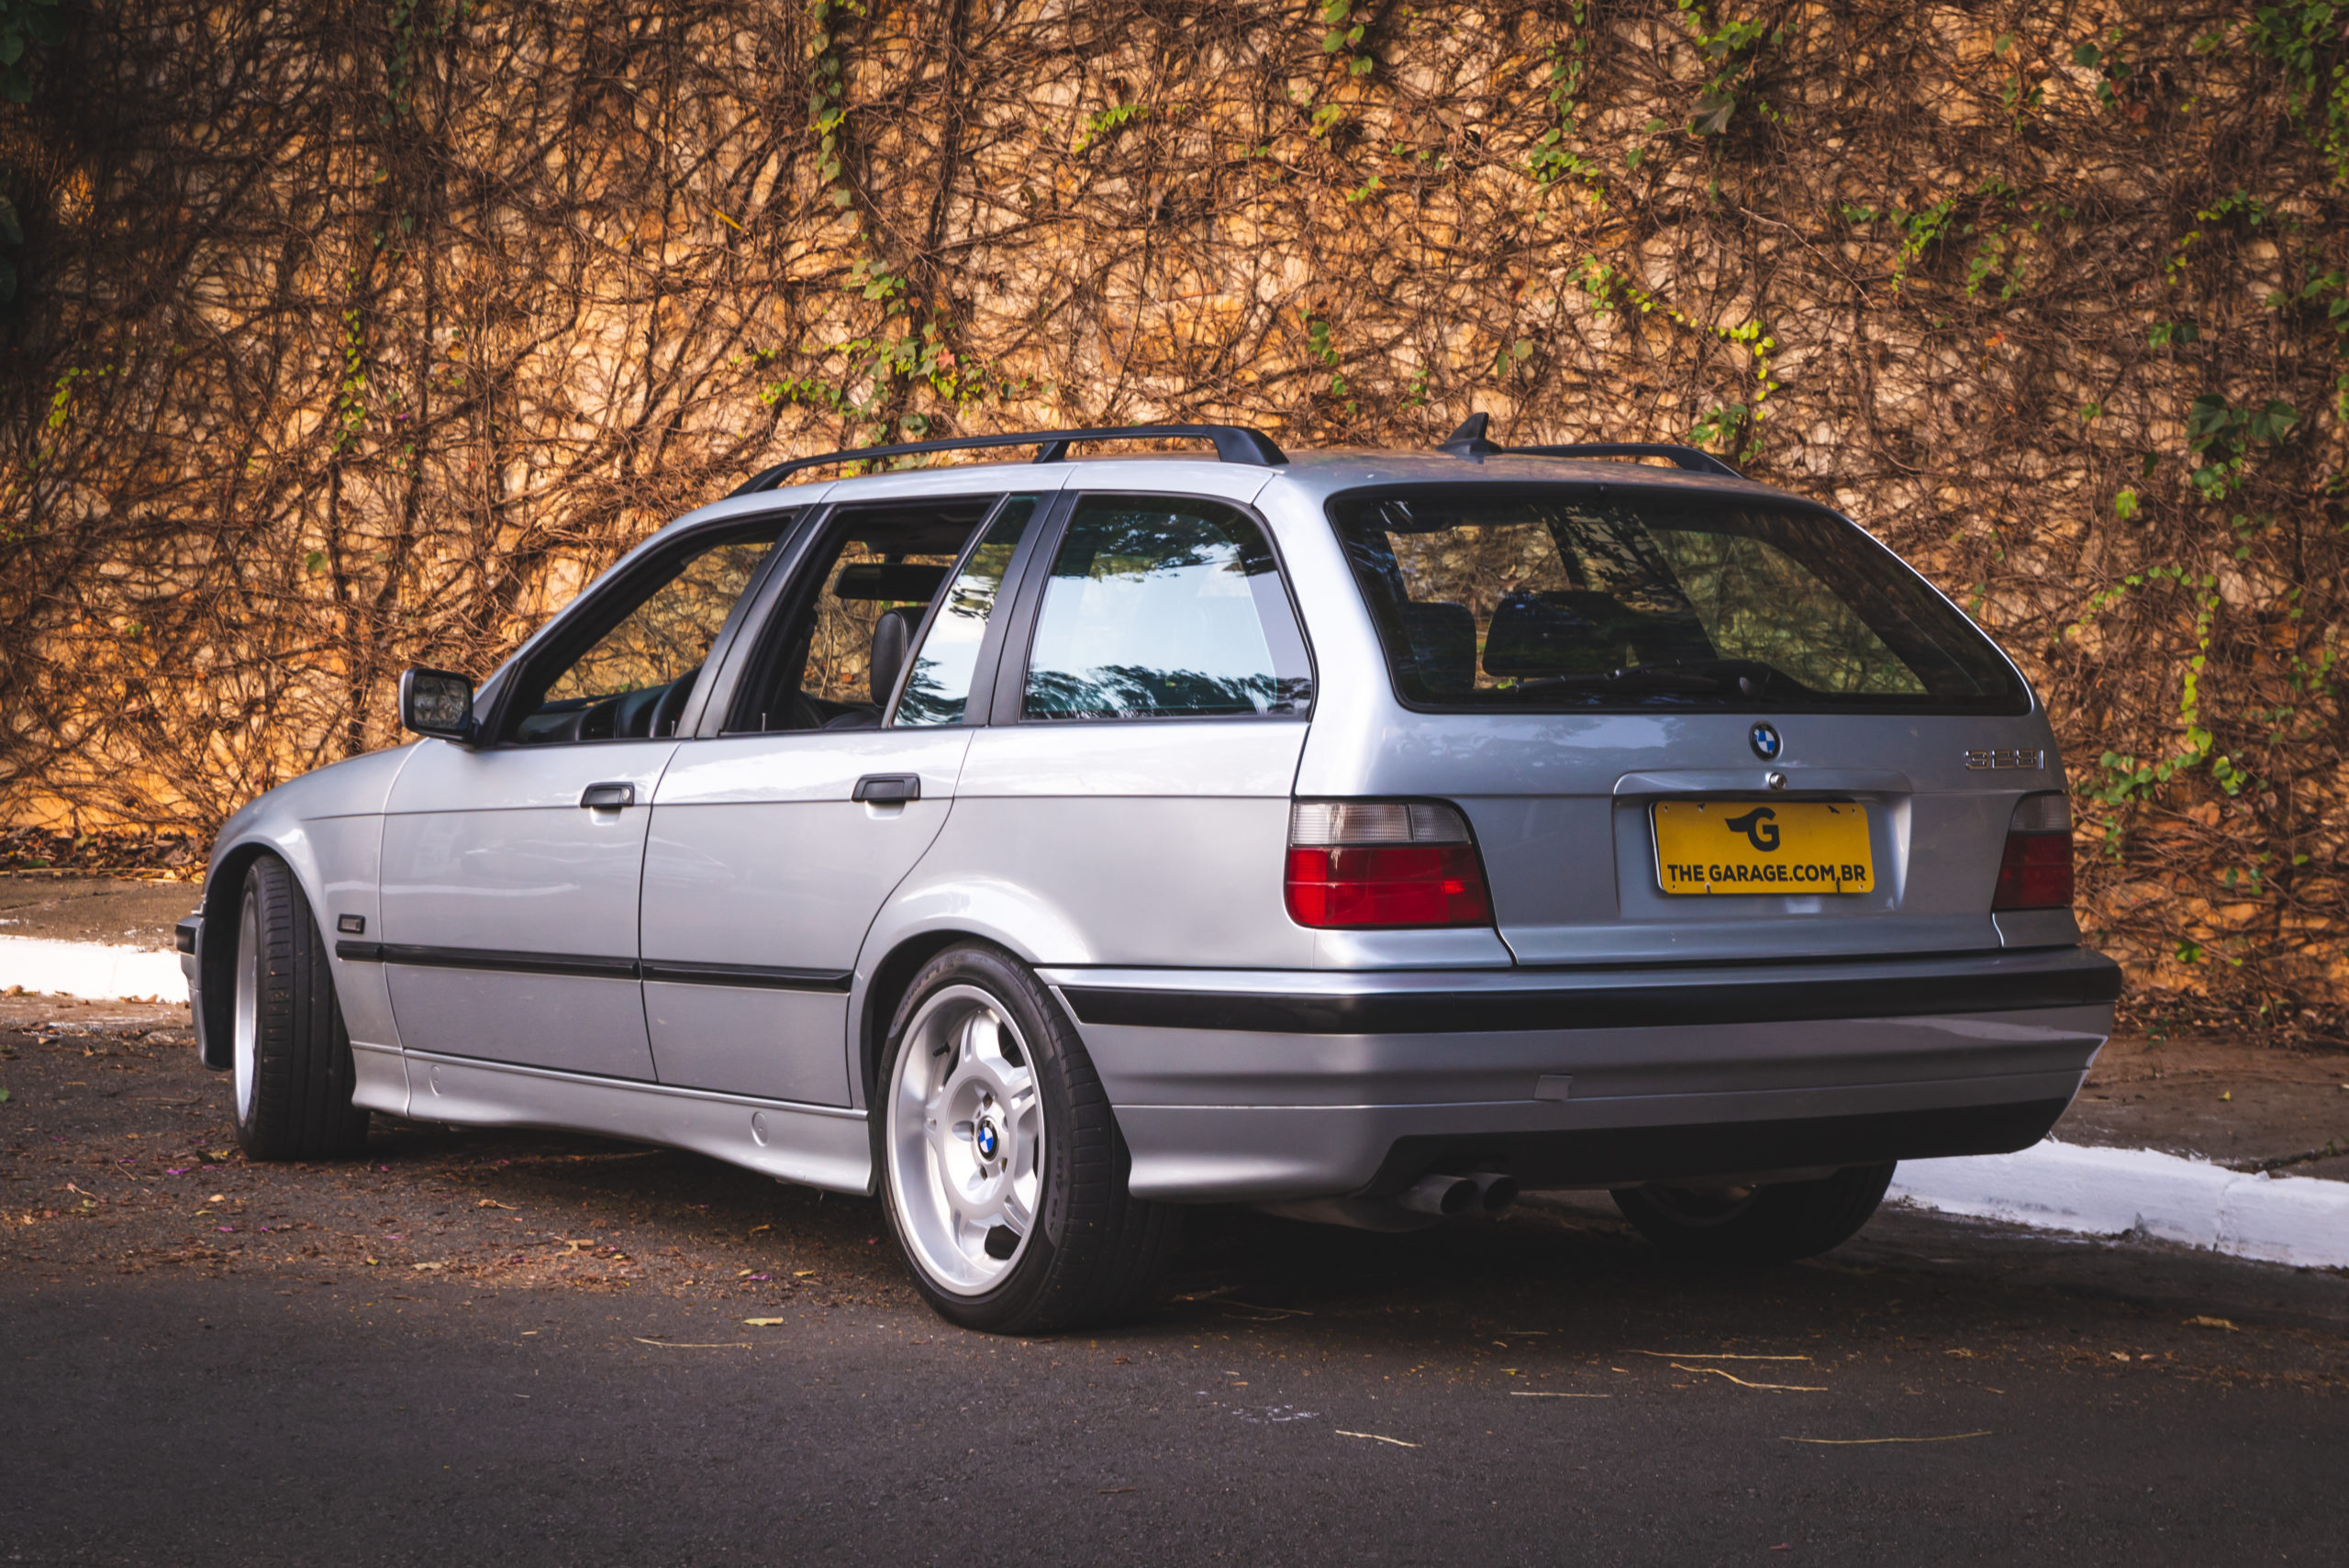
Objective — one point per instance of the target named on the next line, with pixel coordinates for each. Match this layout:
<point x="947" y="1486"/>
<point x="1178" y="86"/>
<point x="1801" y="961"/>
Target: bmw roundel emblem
<point x="1765" y="742"/>
<point x="986" y="1140"/>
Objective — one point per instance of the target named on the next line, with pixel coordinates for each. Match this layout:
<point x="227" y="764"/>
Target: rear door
<point x="510" y="870"/>
<point x="774" y="844"/>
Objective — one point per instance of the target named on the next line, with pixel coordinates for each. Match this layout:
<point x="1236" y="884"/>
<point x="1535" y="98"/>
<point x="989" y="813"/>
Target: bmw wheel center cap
<point x="1764" y="738"/>
<point x="986" y="1140"/>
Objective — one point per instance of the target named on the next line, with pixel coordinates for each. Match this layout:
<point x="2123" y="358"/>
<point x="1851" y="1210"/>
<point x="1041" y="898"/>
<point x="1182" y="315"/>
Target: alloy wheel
<point x="965" y="1141"/>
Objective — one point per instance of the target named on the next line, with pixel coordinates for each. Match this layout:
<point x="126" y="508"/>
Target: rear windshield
<point x="1563" y="597"/>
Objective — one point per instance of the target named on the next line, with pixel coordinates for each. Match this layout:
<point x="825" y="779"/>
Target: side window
<point x="938" y="689"/>
<point x="832" y="654"/>
<point x="1162" y="607"/>
<point x="633" y="682"/>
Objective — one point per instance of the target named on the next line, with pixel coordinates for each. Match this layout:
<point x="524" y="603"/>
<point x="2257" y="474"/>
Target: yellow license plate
<point x="1760" y="846"/>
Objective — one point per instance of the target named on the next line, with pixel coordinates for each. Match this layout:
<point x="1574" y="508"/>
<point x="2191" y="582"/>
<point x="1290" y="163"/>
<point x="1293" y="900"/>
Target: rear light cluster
<point x="2035" y="872"/>
<point x="1357" y="863"/>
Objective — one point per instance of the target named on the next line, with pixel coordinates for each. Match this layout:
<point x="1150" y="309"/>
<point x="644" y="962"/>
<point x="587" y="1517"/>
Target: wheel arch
<point x="891" y="978"/>
<point x="924" y="919"/>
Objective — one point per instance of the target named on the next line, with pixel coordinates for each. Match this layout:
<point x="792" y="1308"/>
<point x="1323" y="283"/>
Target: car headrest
<point x="1572" y="631"/>
<point x="1443" y="644"/>
<point x="895" y="581"/>
<point x="893" y="637"/>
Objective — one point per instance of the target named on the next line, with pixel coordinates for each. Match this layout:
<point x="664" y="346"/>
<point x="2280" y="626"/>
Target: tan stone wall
<point x="360" y="336"/>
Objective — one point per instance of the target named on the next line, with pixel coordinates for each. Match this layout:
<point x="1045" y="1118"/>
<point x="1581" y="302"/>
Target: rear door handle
<point x="607" y="797"/>
<point x="889" y="789"/>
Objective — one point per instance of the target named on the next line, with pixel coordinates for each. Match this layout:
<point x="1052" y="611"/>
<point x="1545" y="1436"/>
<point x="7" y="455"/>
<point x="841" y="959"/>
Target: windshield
<point x="1562" y="598"/>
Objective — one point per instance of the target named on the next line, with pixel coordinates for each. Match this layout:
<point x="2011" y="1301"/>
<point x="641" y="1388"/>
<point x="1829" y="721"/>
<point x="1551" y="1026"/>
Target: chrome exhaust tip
<point x="1442" y="1196"/>
<point x="1495" y="1192"/>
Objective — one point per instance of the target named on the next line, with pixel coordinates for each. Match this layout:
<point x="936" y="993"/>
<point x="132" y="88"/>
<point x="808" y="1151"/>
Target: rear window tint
<point x="1165" y="607"/>
<point x="1559" y="597"/>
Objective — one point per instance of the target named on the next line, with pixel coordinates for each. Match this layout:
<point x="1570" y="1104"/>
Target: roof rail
<point x="1233" y="443"/>
<point x="1468" y="442"/>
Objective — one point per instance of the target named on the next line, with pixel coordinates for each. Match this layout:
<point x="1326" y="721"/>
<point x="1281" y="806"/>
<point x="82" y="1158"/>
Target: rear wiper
<point x="1630" y="678"/>
<point x="1746" y="678"/>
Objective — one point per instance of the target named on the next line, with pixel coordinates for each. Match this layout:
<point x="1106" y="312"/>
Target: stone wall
<point x="353" y="336"/>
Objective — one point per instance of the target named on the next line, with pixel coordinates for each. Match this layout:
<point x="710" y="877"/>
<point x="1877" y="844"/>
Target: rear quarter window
<point x="1165" y="607"/>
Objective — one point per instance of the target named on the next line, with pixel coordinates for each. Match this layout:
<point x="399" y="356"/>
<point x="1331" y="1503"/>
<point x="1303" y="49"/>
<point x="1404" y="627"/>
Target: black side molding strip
<point x="764" y="976"/>
<point x="488" y="959"/>
<point x="1778" y="999"/>
<point x="593" y="968"/>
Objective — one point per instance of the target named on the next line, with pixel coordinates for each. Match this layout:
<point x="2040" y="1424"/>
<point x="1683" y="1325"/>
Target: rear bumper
<point x="1252" y="1085"/>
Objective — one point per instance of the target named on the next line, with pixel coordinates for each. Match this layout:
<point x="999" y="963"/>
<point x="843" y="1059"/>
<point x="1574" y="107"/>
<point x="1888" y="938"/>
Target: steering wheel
<point x="673" y="703"/>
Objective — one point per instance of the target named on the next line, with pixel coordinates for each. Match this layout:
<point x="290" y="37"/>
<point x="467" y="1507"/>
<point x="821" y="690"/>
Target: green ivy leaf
<point x="1713" y="110"/>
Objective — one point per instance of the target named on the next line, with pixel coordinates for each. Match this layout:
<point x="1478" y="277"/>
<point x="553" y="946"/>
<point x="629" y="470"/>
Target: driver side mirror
<point x="436" y="701"/>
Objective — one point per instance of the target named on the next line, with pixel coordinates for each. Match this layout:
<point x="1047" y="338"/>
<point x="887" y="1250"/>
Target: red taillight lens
<point x="2035" y="872"/>
<point x="1375" y="863"/>
<point x="1440" y="885"/>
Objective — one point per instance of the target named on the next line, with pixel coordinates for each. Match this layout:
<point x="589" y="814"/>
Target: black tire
<point x="1095" y="1254"/>
<point x="1756" y="1227"/>
<point x="288" y="1035"/>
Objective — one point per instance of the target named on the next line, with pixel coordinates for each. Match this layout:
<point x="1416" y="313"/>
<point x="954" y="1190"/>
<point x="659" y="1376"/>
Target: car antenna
<point x="1468" y="442"/>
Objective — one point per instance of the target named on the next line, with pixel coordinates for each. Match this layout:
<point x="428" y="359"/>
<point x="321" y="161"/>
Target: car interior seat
<point x="1566" y="632"/>
<point x="893" y="637"/>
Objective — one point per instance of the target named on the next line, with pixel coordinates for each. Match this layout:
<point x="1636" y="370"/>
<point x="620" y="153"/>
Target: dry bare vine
<point x="358" y="334"/>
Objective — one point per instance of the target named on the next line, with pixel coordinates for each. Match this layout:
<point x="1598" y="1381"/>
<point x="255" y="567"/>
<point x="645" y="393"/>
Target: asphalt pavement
<point x="527" y="1348"/>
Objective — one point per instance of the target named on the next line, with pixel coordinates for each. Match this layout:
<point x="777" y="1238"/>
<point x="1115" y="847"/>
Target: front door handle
<point x="607" y="797"/>
<point x="889" y="789"/>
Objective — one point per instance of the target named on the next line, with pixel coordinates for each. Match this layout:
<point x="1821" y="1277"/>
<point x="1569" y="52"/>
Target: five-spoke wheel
<point x="1003" y="1173"/>
<point x="965" y="1139"/>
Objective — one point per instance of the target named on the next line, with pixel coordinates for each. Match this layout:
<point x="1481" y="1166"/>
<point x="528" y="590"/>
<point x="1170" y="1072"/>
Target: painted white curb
<point x="2108" y="1191"/>
<point x="100" y="971"/>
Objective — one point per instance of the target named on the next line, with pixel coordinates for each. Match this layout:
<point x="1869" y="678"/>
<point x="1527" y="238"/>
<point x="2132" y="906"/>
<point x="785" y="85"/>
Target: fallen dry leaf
<point x="2200" y="1322"/>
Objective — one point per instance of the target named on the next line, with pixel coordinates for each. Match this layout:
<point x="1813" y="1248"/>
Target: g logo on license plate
<point x="1764" y="740"/>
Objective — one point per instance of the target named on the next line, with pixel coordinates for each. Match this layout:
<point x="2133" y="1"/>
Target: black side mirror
<point x="434" y="702"/>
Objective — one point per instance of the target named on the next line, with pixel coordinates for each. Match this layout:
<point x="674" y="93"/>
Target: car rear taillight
<point x="2035" y="872"/>
<point x="1354" y="863"/>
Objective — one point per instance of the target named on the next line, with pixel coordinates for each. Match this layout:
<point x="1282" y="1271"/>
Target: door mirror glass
<point x="436" y="701"/>
<point x="1165" y="607"/>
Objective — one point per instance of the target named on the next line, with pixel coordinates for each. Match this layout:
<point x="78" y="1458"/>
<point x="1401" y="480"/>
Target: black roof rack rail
<point x="1468" y="442"/>
<point x="1233" y="443"/>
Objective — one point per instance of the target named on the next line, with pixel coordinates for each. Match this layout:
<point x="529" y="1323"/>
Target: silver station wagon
<point x="1047" y="845"/>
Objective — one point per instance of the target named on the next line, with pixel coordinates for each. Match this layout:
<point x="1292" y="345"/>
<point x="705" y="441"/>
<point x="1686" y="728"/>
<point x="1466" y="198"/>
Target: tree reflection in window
<point x="938" y="690"/>
<point x="1161" y="608"/>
